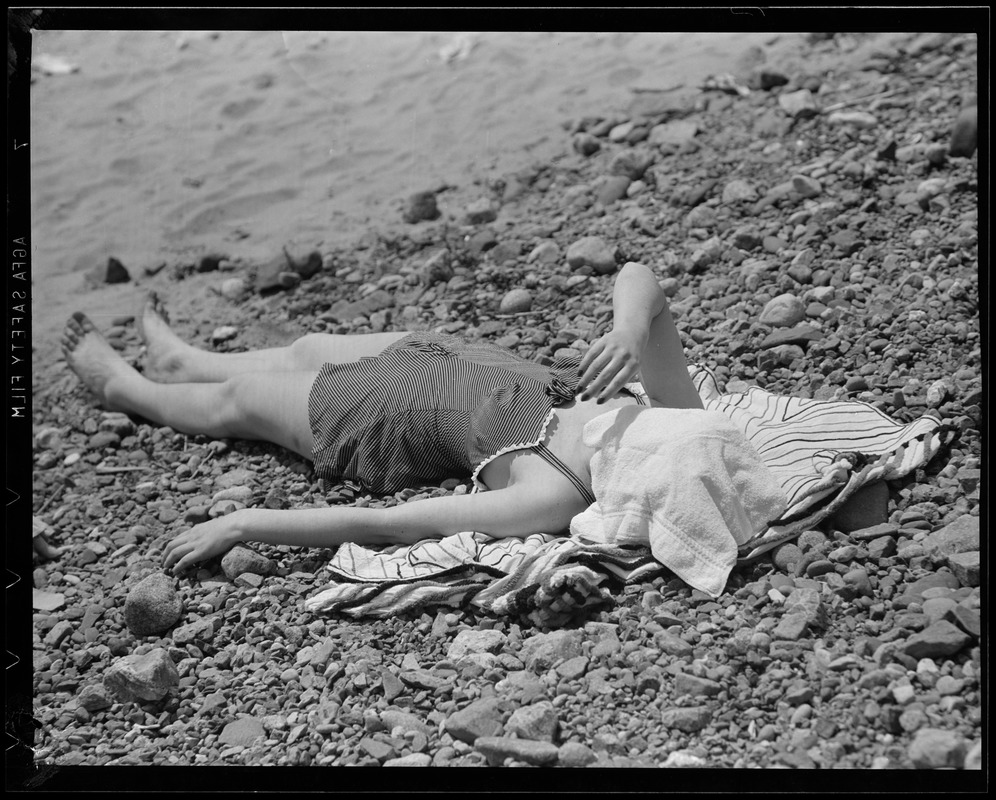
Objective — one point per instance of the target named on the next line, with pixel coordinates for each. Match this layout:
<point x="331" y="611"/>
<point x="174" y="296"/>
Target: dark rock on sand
<point x="767" y="79"/>
<point x="115" y="272"/>
<point x="209" y="263"/>
<point x="421" y="207"/>
<point x="586" y="144"/>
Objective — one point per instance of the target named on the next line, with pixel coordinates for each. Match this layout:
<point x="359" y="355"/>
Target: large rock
<point x="537" y="721"/>
<point x="480" y="212"/>
<point x="807" y="603"/>
<point x="480" y="718"/>
<point x="152" y="606"/>
<point x="672" y="645"/>
<point x="613" y="188"/>
<point x="200" y="630"/>
<point x="857" y="119"/>
<point x="630" y="163"/>
<point x="575" y="754"/>
<point x="965" y="134"/>
<point x="668" y="104"/>
<point x="115" y="272"/>
<point x="241" y="559"/>
<point x="686" y="683"/>
<point x="516" y="301"/>
<point x="304" y="264"/>
<point x="497" y="748"/>
<point x="586" y="144"/>
<point x="95" y="697"/>
<point x="594" y="252"/>
<point x="542" y="650"/>
<point x="673" y="134"/>
<point x="783" y="311"/>
<point x="738" y="191"/>
<point x="806" y="186"/>
<point x="966" y="567"/>
<point x="936" y="641"/>
<point x="392" y="718"/>
<point x="937" y="749"/>
<point x="960" y="536"/>
<point x="688" y="720"/>
<point x="421" y="206"/>
<point x="800" y="335"/>
<point x="475" y="641"/>
<point x="242" y="732"/>
<point x="437" y="268"/>
<point x="142" y="677"/>
<point x="798" y="104"/>
<point x="275" y="275"/>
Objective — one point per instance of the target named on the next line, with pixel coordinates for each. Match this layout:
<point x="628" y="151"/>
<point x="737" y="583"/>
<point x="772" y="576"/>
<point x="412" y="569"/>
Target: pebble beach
<point x="810" y="207"/>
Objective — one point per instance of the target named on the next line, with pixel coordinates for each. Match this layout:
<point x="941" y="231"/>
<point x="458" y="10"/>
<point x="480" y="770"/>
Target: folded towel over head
<point x="685" y="482"/>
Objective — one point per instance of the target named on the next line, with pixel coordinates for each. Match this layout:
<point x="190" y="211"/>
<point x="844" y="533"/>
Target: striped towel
<point x="821" y="451"/>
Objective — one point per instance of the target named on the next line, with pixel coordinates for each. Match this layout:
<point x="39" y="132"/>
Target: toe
<point x="157" y="306"/>
<point x="84" y="322"/>
<point x="74" y="327"/>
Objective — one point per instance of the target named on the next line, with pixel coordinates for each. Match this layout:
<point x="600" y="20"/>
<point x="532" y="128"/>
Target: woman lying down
<point x="397" y="410"/>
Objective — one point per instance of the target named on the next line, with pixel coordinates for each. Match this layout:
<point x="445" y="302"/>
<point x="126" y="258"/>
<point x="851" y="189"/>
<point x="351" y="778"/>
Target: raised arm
<point x="643" y="340"/>
<point x="519" y="510"/>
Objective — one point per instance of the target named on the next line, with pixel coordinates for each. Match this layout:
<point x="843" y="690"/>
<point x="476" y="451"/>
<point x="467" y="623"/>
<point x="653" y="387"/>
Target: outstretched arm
<point x="519" y="510"/>
<point x="643" y="340"/>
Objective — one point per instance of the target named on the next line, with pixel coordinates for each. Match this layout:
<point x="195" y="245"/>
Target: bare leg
<point x="246" y="406"/>
<point x="171" y="360"/>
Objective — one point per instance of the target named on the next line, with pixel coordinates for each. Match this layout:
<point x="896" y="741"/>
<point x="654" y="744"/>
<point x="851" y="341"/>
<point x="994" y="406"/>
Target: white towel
<point x="685" y="482"/>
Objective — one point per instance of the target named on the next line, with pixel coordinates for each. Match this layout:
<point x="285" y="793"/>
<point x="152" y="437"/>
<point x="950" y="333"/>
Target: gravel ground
<point x="831" y="183"/>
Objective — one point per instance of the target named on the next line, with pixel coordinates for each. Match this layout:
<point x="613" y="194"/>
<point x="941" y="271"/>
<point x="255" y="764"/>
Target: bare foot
<point x="93" y="359"/>
<point x="164" y="350"/>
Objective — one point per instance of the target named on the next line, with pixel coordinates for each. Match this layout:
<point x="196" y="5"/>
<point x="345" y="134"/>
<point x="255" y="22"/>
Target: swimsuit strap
<point x="543" y="451"/>
<point x="638" y="397"/>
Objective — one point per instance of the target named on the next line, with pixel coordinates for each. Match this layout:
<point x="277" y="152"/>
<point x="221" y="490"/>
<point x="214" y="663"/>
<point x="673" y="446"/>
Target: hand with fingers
<point x="610" y="363"/>
<point x="202" y="542"/>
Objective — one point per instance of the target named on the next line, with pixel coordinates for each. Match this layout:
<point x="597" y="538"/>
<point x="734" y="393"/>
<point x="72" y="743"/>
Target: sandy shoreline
<point x="165" y="145"/>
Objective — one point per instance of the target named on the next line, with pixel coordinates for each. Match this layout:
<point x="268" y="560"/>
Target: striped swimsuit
<point x="433" y="406"/>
